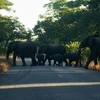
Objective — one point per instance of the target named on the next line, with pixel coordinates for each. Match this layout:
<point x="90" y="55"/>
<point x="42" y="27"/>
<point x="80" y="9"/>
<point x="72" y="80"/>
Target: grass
<point x="4" y="64"/>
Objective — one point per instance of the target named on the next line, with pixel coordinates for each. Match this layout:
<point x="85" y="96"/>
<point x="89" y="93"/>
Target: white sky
<point x="28" y="11"/>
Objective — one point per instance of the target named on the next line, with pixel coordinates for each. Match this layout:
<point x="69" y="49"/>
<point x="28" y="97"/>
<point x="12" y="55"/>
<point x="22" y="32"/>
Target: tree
<point x="94" y="10"/>
<point x="5" y="4"/>
<point x="66" y="21"/>
<point x="60" y="22"/>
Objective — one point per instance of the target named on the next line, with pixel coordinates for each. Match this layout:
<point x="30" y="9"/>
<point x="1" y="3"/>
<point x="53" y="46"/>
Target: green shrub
<point x="72" y="46"/>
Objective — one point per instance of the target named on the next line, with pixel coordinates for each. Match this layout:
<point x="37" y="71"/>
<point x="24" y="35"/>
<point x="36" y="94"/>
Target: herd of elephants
<point x="56" y="52"/>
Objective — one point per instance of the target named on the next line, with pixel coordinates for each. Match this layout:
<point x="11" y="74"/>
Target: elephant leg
<point x="59" y="63"/>
<point x="66" y="63"/>
<point x="88" y="62"/>
<point x="43" y="62"/>
<point x="34" y="62"/>
<point x="23" y="61"/>
<point x="70" y="63"/>
<point x="95" y="60"/>
<point x="14" y="59"/>
<point x="54" y="63"/>
<point x="39" y="63"/>
<point x="49" y="60"/>
<point x="76" y="63"/>
<point x="80" y="62"/>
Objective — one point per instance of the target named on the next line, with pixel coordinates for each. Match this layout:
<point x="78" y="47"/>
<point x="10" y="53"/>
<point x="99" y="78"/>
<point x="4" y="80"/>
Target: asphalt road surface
<point x="49" y="83"/>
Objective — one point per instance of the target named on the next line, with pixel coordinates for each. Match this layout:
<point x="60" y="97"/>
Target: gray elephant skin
<point x="23" y="50"/>
<point x="40" y="59"/>
<point x="51" y="49"/>
<point x="74" y="56"/>
<point x="93" y="42"/>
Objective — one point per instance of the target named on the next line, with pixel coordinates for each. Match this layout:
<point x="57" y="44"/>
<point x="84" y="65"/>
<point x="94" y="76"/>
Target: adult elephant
<point x="23" y="50"/>
<point x="51" y="49"/>
<point x="93" y="42"/>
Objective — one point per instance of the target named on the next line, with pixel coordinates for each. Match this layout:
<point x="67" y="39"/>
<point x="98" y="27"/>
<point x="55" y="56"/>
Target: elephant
<point x="93" y="42"/>
<point x="41" y="58"/>
<point x="74" y="56"/>
<point x="23" y="50"/>
<point x="57" y="58"/>
<point x="51" y="49"/>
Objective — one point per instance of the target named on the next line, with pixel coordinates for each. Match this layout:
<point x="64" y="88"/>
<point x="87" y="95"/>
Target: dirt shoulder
<point x="4" y="64"/>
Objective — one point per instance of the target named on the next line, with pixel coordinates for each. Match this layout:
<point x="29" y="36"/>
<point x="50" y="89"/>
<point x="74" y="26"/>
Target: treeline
<point x="66" y="21"/>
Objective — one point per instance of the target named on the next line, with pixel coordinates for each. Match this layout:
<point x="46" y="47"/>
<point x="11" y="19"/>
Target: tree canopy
<point x="66" y="21"/>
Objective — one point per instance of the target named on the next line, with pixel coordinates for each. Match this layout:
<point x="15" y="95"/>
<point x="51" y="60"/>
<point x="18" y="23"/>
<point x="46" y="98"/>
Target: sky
<point x="28" y="11"/>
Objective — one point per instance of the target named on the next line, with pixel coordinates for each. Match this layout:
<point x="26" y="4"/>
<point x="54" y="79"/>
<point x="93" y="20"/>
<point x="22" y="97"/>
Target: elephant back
<point x="51" y="49"/>
<point x="27" y="49"/>
<point x="56" y="49"/>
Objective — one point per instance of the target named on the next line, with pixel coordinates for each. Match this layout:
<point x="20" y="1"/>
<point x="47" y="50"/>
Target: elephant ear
<point x="14" y="45"/>
<point x="84" y="42"/>
<point x="88" y="41"/>
<point x="43" y="48"/>
<point x="91" y="39"/>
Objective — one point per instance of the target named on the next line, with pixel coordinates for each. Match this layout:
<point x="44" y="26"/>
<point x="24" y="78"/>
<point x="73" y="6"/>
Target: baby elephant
<point x="75" y="56"/>
<point x="57" y="58"/>
<point x="41" y="59"/>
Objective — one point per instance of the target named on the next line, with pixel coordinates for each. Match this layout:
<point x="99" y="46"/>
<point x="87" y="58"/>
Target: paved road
<point x="49" y="83"/>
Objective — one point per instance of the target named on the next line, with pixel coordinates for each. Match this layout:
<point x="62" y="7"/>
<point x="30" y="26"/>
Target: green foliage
<point x="66" y="21"/>
<point x="5" y="4"/>
<point x="72" y="46"/>
<point x="10" y="28"/>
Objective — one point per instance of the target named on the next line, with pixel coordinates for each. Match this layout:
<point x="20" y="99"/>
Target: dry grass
<point x="92" y="66"/>
<point x="4" y="65"/>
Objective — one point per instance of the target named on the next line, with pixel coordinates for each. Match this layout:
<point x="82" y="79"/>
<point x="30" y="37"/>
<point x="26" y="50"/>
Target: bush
<point x="72" y="46"/>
